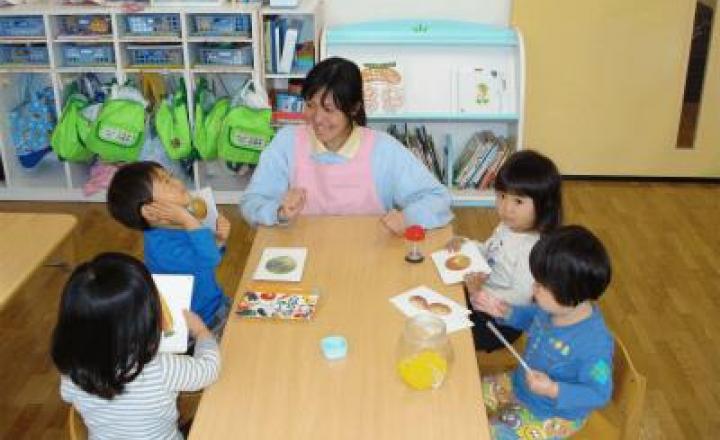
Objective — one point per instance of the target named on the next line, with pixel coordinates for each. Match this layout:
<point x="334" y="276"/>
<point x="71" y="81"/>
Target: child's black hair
<point x="572" y="263"/>
<point x="109" y="324"/>
<point x="130" y="188"/>
<point x="341" y="79"/>
<point x="531" y="174"/>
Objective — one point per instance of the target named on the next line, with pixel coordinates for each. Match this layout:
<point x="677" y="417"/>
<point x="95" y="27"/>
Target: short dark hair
<point x="130" y="188"/>
<point x="341" y="79"/>
<point x="531" y="174"/>
<point x="572" y="263"/>
<point x="109" y="324"/>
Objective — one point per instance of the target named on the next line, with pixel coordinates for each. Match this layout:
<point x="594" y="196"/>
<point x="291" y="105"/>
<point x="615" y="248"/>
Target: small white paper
<point x="176" y="291"/>
<point x="452" y="266"/>
<point x="422" y="299"/>
<point x="281" y="264"/>
<point x="210" y="218"/>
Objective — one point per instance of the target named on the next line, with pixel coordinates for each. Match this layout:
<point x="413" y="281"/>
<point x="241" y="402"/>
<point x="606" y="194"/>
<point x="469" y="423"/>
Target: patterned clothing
<point x="511" y="420"/>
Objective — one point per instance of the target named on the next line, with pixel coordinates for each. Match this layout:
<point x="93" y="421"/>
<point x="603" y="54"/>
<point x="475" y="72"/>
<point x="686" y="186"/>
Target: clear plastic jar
<point x="424" y="353"/>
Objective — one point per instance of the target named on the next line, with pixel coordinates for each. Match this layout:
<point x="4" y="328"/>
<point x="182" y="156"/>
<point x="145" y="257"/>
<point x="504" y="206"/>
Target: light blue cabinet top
<point x="425" y="32"/>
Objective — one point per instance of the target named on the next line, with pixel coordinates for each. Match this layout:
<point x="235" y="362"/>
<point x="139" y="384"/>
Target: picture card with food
<point x="290" y="304"/>
<point x="203" y="207"/>
<point x="452" y="266"/>
<point x="281" y="264"/>
<point x="422" y="299"/>
<point x="175" y="294"/>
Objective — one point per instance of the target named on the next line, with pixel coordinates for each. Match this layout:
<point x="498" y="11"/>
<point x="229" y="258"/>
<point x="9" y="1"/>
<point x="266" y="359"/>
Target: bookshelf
<point x="426" y="72"/>
<point x="185" y="33"/>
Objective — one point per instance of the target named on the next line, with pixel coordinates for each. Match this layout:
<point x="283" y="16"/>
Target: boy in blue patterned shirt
<point x="569" y="347"/>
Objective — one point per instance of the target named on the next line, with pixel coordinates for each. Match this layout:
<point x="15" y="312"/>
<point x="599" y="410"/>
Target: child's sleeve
<point x="520" y="317"/>
<point x="192" y="373"/>
<point x="593" y="387"/>
<point x="203" y="251"/>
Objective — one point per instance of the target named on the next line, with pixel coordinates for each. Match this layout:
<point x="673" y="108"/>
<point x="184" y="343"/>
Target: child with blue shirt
<point x="144" y="196"/>
<point x="569" y="347"/>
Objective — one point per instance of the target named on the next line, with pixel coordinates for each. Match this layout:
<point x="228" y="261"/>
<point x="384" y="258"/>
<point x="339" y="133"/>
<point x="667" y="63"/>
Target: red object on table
<point x="415" y="233"/>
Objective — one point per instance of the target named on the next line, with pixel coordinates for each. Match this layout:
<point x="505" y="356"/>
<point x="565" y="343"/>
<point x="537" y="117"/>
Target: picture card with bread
<point x="452" y="266"/>
<point x="203" y="207"/>
<point x="175" y="295"/>
<point x="281" y="264"/>
<point x="422" y="299"/>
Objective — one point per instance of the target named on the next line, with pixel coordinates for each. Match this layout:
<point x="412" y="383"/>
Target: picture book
<point x="281" y="264"/>
<point x="175" y="295"/>
<point x="483" y="89"/>
<point x="383" y="87"/>
<point x="268" y="304"/>
<point x="422" y="299"/>
<point x="452" y="266"/>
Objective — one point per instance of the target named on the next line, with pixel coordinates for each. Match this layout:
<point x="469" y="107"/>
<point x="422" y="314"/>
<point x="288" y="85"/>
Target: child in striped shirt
<point x="105" y="345"/>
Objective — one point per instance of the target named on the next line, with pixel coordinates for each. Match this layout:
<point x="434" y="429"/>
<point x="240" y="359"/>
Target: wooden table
<point x="275" y="383"/>
<point x="27" y="241"/>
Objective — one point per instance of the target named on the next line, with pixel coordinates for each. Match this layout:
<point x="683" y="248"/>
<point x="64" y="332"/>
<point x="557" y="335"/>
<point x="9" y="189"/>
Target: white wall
<point x="486" y="11"/>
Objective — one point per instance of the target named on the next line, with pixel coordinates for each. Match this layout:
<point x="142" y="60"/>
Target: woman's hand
<point x="292" y="204"/>
<point x="394" y="221"/>
<point x="196" y="326"/>
<point x="223" y="230"/>
<point x="486" y="302"/>
<point x="540" y="383"/>
<point x="169" y="214"/>
<point x="455" y="243"/>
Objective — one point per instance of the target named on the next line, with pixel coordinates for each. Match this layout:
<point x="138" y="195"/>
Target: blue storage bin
<point x="22" y="26"/>
<point x="221" y="25"/>
<point x="153" y="24"/>
<point x="23" y="54"/>
<point x="88" y="55"/>
<point x="85" y="25"/>
<point x="226" y="56"/>
<point x="165" y="55"/>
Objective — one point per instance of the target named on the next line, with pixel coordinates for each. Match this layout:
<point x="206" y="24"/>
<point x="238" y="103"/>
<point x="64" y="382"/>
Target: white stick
<point x="502" y="339"/>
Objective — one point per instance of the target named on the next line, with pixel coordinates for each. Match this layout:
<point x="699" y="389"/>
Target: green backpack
<point x="244" y="134"/>
<point x="173" y="126"/>
<point x="119" y="131"/>
<point x="68" y="137"/>
<point x="209" y="115"/>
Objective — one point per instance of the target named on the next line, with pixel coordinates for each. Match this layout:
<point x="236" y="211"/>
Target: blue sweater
<point x="194" y="252"/>
<point x="578" y="357"/>
<point x="400" y="181"/>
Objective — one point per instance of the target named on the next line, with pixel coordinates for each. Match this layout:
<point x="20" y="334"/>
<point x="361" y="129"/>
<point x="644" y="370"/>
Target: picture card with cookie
<point x="175" y="295"/>
<point x="452" y="266"/>
<point x="203" y="207"/>
<point x="281" y="264"/>
<point x="422" y="299"/>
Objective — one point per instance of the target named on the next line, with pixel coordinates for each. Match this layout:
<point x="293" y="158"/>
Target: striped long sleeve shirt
<point x="147" y="407"/>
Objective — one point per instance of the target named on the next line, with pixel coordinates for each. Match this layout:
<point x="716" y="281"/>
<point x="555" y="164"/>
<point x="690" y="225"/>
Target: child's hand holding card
<point x="203" y="207"/>
<point x="453" y="266"/>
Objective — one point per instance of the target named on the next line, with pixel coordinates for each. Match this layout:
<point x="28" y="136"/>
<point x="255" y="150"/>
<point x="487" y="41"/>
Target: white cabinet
<point x="455" y="78"/>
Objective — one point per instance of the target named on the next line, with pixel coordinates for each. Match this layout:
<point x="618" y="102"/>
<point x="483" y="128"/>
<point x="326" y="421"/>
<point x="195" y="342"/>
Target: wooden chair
<point x="76" y="427"/>
<point x="620" y="419"/>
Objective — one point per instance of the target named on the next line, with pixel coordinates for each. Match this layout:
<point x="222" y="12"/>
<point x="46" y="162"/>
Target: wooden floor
<point x="664" y="300"/>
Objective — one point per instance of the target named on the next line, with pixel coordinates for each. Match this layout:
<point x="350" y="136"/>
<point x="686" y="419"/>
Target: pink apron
<point x="337" y="189"/>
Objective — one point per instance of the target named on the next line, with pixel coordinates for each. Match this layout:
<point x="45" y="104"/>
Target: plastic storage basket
<point x="23" y="54"/>
<point x="88" y="55"/>
<point x="165" y="55"/>
<point x="221" y="25"/>
<point x="85" y="25"/>
<point x="22" y="26"/>
<point x="225" y="56"/>
<point x="153" y="24"/>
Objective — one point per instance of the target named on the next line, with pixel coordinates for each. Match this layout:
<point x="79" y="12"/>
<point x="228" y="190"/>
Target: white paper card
<point x="281" y="264"/>
<point x="452" y="266"/>
<point x="422" y="299"/>
<point x="176" y="292"/>
<point x="209" y="218"/>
